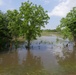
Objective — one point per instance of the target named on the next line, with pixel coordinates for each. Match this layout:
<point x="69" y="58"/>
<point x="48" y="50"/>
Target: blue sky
<point x="56" y="8"/>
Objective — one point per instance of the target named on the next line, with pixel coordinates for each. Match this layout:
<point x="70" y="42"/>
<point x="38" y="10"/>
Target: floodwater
<point x="48" y="55"/>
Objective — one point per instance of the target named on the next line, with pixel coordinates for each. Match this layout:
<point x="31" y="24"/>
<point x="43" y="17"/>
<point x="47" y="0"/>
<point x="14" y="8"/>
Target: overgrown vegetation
<point x="5" y="35"/>
<point x="25" y="22"/>
<point x="68" y="25"/>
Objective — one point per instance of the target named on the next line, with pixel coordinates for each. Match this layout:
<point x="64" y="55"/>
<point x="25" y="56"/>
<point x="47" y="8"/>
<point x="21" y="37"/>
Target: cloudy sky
<point x="56" y="8"/>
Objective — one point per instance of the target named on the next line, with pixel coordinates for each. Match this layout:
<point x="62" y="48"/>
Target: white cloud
<point x="63" y="8"/>
<point x="47" y="1"/>
<point x="61" y="0"/>
<point x="1" y="2"/>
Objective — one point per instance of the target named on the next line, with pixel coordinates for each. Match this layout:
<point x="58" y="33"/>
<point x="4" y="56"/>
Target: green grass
<point x="49" y="33"/>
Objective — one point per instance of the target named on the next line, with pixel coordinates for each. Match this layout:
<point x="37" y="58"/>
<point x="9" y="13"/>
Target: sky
<point x="57" y="9"/>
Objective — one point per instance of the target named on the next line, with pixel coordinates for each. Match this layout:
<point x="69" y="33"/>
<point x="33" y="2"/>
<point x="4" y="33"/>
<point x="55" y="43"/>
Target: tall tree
<point x="33" y="18"/>
<point x="68" y="24"/>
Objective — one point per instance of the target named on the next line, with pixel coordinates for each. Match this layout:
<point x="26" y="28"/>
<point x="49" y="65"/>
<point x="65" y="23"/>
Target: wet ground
<point x="49" y="55"/>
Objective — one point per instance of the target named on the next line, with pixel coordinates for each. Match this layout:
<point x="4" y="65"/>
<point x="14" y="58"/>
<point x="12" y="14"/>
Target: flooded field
<point x="49" y="55"/>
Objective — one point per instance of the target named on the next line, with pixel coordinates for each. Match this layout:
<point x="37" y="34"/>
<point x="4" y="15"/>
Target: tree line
<point x="26" y="22"/>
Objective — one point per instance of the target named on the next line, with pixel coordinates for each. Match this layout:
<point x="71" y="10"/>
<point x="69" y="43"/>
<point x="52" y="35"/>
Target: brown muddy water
<point x="48" y="55"/>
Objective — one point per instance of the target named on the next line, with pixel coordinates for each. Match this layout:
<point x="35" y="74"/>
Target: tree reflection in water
<point x="68" y="61"/>
<point x="32" y="65"/>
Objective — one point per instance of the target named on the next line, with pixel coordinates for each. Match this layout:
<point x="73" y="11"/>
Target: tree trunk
<point x="75" y="40"/>
<point x="28" y="45"/>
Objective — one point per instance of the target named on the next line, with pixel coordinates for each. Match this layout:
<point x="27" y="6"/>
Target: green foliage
<point x="5" y="35"/>
<point x="14" y="23"/>
<point x="68" y="24"/>
<point x="26" y="22"/>
<point x="33" y="18"/>
<point x="50" y="30"/>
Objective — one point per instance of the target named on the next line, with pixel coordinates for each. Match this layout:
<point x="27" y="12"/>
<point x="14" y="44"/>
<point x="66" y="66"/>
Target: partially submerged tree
<point x="14" y="24"/>
<point x="68" y="24"/>
<point x="5" y="35"/>
<point x="27" y="21"/>
<point x="33" y="18"/>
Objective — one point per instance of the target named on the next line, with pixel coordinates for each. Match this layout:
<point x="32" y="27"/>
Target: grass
<point x="49" y="33"/>
<point x="19" y="39"/>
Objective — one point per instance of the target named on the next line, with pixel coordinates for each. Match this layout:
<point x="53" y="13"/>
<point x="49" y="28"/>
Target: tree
<point x="68" y="24"/>
<point x="33" y="18"/>
<point x="14" y="23"/>
<point x="5" y="35"/>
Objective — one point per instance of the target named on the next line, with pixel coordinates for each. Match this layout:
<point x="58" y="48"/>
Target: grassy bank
<point x="50" y="33"/>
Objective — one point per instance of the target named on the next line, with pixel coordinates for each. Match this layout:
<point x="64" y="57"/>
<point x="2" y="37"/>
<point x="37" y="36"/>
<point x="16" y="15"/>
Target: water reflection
<point x="33" y="64"/>
<point x="21" y="62"/>
<point x="47" y="56"/>
<point x="8" y="58"/>
<point x="68" y="61"/>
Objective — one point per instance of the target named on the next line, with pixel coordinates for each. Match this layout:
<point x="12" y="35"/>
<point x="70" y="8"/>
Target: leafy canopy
<point x="5" y="35"/>
<point x="14" y="22"/>
<point x="33" y="18"/>
<point x="27" y="21"/>
<point x="68" y="24"/>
